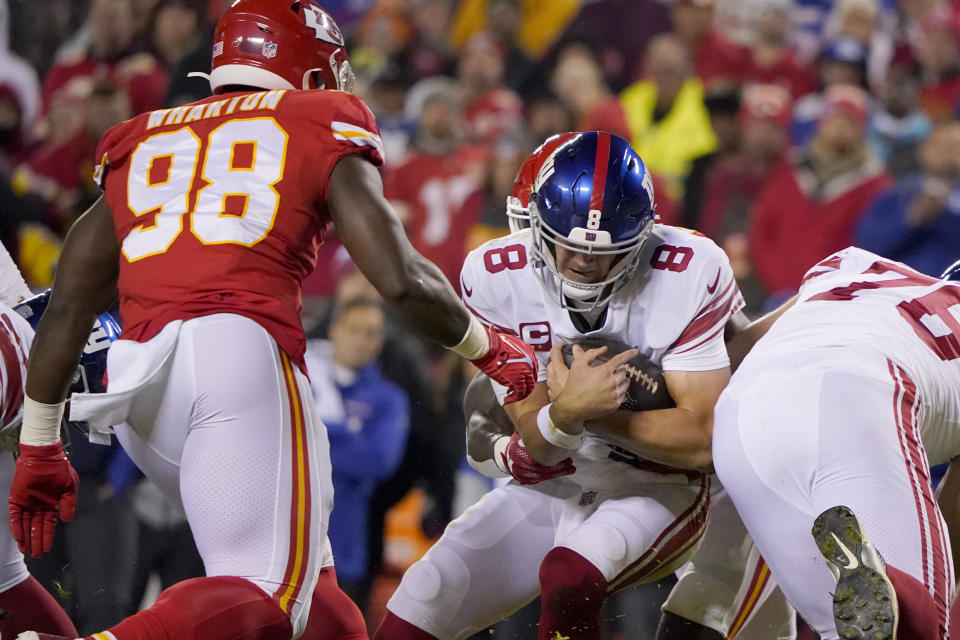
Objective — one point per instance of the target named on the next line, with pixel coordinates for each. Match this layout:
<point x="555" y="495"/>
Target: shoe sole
<point x="865" y="603"/>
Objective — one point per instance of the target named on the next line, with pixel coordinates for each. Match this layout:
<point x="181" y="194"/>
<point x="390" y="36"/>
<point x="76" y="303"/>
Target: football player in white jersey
<point x="828" y="427"/>
<point x="593" y="264"/>
<point x="725" y="590"/>
<point x="24" y="604"/>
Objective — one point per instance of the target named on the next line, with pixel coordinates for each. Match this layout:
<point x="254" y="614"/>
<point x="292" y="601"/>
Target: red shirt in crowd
<point x="792" y="228"/>
<point x="787" y="71"/>
<point x="491" y="115"/>
<point x="142" y="77"/>
<point x="445" y="196"/>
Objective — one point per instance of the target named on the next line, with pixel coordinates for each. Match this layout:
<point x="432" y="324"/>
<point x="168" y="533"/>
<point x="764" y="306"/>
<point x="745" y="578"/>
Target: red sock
<point x="396" y="628"/>
<point x="333" y="615"/>
<point x="219" y="608"/>
<point x="572" y="592"/>
<point x="31" y="608"/>
<point x="919" y="615"/>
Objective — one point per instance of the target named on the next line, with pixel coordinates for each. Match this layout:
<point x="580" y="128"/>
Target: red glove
<point x="44" y="481"/>
<point x="518" y="462"/>
<point x="511" y="362"/>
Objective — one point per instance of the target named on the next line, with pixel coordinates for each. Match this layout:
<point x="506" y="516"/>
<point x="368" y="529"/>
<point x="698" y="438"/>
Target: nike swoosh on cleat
<point x="854" y="563"/>
<point x="713" y="287"/>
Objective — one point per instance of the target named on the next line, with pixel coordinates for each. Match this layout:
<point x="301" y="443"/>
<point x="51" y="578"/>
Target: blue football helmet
<point x="592" y="195"/>
<point x="89" y="376"/>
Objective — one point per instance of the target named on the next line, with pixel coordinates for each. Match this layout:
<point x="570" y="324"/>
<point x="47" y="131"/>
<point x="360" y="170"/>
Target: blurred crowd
<point x="782" y="129"/>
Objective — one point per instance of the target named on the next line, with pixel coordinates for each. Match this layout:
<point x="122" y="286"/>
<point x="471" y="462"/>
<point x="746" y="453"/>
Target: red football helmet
<point x="518" y="215"/>
<point x="279" y="44"/>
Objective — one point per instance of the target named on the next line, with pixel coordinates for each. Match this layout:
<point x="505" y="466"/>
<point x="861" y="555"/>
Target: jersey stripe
<point x="13" y="356"/>
<point x="300" y="496"/>
<point x="758" y="583"/>
<point x="357" y="135"/>
<point x="936" y="577"/>
<point x="677" y="538"/>
<point x="601" y="163"/>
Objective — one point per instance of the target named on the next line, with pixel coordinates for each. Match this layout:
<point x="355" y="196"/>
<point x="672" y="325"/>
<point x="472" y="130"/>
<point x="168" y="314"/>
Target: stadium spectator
<point x="183" y="41"/>
<point x="504" y="22"/>
<point x="112" y="53"/>
<point x="813" y="201"/>
<point x="862" y="21"/>
<point x="59" y="169"/>
<point x="385" y="97"/>
<point x="19" y="98"/>
<point x="546" y="115"/>
<point x="843" y="61"/>
<point x="579" y="83"/>
<point x="428" y="53"/>
<point x="621" y="31"/>
<point x="716" y="59"/>
<point x="898" y="124"/>
<point x="771" y="59"/>
<point x="917" y="220"/>
<point x="668" y="121"/>
<point x="490" y="108"/>
<point x="539" y="23"/>
<point x="367" y="419"/>
<point x="723" y="105"/>
<point x="939" y="57"/>
<point x="438" y="189"/>
<point x="737" y="179"/>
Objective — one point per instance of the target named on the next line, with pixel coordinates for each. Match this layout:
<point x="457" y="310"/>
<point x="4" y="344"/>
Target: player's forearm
<point x="541" y="450"/>
<point x="60" y="338"/>
<point x="677" y="437"/>
<point x="425" y="300"/>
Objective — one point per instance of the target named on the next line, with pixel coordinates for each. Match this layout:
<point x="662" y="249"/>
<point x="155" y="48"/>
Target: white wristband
<point x="475" y="342"/>
<point x="41" y="423"/>
<point x="499" y="449"/>
<point x="555" y="436"/>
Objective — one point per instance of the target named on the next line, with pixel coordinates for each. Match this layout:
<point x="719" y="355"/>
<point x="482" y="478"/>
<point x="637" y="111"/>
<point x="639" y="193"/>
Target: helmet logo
<point x="269" y="49"/>
<point x="218" y="49"/>
<point x="323" y="25"/>
<point x="648" y="185"/>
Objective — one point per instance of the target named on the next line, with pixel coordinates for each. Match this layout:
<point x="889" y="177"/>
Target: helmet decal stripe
<point x="600" y="171"/>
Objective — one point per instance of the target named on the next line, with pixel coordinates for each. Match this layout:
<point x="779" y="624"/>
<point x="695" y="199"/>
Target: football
<point x="648" y="389"/>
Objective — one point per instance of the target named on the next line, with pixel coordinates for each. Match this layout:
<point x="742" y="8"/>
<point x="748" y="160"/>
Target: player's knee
<point x="567" y="580"/>
<point x="224" y="607"/>
<point x="433" y="592"/>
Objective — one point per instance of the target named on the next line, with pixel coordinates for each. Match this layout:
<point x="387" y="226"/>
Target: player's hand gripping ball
<point x="647" y="390"/>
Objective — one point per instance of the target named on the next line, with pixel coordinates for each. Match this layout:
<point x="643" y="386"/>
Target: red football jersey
<point x="445" y="195"/>
<point x="219" y="205"/>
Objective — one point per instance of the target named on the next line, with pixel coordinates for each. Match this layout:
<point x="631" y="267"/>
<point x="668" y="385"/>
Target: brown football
<point x="648" y="389"/>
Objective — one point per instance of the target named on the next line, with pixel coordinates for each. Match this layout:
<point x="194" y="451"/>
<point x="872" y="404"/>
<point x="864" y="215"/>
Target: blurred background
<point x="782" y="129"/>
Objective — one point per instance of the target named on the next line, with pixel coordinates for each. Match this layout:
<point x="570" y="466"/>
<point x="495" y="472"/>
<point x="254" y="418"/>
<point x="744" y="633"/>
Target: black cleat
<point x="865" y="603"/>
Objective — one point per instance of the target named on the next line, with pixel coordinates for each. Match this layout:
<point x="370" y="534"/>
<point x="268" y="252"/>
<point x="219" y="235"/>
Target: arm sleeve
<point x="354" y="130"/>
<point x="700" y="346"/>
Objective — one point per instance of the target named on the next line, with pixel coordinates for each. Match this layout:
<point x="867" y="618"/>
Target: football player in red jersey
<point x="211" y="216"/>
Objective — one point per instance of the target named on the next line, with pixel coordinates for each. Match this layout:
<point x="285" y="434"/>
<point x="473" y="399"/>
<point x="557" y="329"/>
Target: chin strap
<point x="201" y="74"/>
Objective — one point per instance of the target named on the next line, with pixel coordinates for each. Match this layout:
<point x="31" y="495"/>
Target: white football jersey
<point x="855" y="298"/>
<point x="16" y="336"/>
<point x="674" y="312"/>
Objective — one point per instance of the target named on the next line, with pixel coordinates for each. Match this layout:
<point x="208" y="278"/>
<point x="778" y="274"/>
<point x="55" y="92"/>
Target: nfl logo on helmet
<point x="269" y="49"/>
